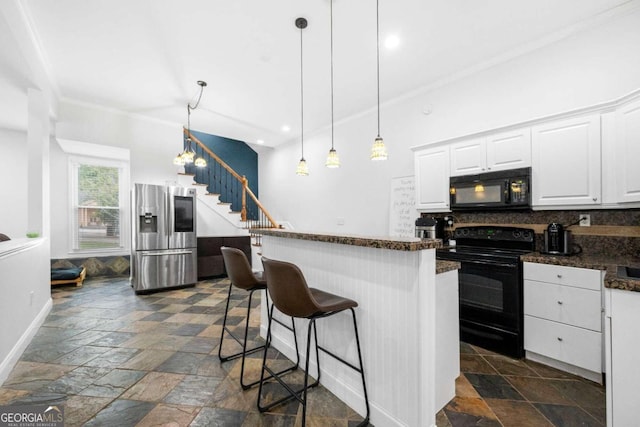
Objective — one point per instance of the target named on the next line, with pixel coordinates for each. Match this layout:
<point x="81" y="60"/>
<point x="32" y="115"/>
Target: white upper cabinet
<point x="509" y="150"/>
<point x="627" y="150"/>
<point x="566" y="162"/>
<point x="495" y="152"/>
<point x="468" y="157"/>
<point x="432" y="179"/>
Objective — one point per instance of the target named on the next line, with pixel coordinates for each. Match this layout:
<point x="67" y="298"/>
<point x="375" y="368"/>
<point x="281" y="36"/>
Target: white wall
<point x="13" y="190"/>
<point x="596" y="65"/>
<point x="25" y="299"/>
<point x="152" y="144"/>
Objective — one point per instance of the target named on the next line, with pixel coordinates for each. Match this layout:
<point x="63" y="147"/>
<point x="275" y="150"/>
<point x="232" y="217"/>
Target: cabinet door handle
<point x="559" y="276"/>
<point x="559" y="302"/>
<point x="559" y="338"/>
<point x="595" y="199"/>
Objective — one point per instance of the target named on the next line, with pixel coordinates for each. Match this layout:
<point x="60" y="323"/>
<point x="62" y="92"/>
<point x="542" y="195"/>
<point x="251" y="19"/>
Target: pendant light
<point x="302" y="169"/>
<point x="378" y="151"/>
<point x="188" y="155"/>
<point x="333" y="161"/>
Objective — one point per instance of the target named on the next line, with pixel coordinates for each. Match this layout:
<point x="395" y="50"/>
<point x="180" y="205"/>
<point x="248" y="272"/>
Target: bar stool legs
<point x="243" y="342"/>
<point x="301" y="395"/>
<point x="293" y="394"/>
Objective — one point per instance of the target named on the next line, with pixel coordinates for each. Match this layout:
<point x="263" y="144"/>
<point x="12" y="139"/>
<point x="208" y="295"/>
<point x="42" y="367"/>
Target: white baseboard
<point x="353" y="398"/>
<point x="572" y="369"/>
<point x="14" y="355"/>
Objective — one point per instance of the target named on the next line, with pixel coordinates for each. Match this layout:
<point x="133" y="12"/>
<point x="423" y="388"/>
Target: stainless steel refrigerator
<point x="163" y="244"/>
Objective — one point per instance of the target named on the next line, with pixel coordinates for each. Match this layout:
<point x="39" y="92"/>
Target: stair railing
<point x="253" y="214"/>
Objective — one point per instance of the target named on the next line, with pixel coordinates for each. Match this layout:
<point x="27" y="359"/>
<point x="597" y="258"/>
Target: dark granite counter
<point x="594" y="262"/>
<point x="444" y="266"/>
<point x="393" y="243"/>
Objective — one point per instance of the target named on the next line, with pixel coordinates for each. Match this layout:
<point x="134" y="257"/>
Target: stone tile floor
<point x="496" y="390"/>
<point x="116" y="359"/>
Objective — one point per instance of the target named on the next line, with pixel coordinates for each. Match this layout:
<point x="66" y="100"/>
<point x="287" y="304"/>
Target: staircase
<point x="229" y="205"/>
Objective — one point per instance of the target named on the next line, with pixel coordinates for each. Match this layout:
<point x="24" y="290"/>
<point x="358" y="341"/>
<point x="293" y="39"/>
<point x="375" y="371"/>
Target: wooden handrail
<point x="264" y="211"/>
<point x="243" y="180"/>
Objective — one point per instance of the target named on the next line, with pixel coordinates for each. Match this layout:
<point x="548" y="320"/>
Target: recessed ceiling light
<point x="285" y="128"/>
<point x="392" y="41"/>
<point x="260" y="141"/>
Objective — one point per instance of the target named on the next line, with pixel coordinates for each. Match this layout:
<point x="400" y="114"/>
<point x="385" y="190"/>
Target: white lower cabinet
<point x="563" y="318"/>
<point x="623" y="347"/>
<point x="564" y="304"/>
<point x="569" y="344"/>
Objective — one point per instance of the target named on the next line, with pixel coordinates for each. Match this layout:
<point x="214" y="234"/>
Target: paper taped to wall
<point x="402" y="209"/>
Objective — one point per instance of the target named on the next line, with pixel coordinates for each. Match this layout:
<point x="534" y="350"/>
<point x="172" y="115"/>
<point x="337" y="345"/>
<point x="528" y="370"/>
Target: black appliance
<point x="508" y="189"/>
<point x="557" y="240"/>
<point x="491" y="285"/>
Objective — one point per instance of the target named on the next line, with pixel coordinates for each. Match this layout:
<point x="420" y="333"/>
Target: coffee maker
<point x="557" y="240"/>
<point x="430" y="228"/>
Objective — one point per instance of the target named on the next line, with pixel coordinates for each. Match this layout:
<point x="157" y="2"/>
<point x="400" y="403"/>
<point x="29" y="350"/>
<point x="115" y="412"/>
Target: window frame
<point x="123" y="200"/>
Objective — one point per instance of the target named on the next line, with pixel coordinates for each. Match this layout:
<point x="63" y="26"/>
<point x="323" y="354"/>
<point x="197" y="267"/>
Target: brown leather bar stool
<point x="241" y="276"/>
<point x="293" y="297"/>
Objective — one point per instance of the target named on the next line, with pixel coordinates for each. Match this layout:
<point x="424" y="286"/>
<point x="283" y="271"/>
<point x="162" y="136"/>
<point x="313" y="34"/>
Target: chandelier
<point x="188" y="156"/>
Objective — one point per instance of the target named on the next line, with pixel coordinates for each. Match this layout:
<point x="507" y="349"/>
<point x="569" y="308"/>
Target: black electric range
<point x="491" y="285"/>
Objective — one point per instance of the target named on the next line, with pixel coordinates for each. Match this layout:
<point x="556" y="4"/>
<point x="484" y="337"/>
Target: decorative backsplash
<point x="97" y="266"/>
<point x="599" y="218"/>
<point x="612" y="231"/>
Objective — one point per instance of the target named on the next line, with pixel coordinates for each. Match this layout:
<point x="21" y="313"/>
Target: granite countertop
<point x="393" y="243"/>
<point x="444" y="266"/>
<point x="595" y="262"/>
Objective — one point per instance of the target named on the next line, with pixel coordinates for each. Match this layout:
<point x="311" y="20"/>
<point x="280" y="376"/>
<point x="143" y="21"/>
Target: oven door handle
<point x="488" y="262"/>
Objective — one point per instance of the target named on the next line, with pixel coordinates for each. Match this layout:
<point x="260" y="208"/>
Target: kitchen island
<point x="395" y="284"/>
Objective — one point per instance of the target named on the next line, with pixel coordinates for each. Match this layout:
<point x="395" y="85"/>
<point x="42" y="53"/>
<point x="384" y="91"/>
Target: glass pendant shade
<point x="200" y="162"/>
<point x="188" y="156"/>
<point x="378" y="151"/>
<point x="178" y="161"/>
<point x="333" y="161"/>
<point x="302" y="169"/>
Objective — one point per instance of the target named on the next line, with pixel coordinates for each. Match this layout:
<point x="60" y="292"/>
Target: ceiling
<point x="145" y="56"/>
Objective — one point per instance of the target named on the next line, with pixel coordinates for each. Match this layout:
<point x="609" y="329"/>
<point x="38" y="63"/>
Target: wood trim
<point x="594" y="230"/>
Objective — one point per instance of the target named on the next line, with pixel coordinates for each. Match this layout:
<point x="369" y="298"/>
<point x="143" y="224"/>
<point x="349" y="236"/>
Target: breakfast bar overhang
<point x="403" y="331"/>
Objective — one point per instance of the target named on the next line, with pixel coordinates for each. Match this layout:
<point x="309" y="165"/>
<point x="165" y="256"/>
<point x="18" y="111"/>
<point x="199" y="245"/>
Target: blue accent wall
<point x="237" y="154"/>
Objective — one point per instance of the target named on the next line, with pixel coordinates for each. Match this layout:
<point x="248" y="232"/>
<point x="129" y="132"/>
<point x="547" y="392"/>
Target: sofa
<point x="210" y="262"/>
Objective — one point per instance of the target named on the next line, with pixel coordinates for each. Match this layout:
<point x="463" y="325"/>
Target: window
<point x="98" y="205"/>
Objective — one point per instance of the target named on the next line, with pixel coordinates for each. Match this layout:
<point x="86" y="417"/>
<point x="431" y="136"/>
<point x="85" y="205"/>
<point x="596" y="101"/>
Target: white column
<point x="38" y="129"/>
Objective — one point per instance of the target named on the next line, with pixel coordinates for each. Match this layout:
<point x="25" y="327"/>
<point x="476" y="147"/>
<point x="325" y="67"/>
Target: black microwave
<point x="508" y="189"/>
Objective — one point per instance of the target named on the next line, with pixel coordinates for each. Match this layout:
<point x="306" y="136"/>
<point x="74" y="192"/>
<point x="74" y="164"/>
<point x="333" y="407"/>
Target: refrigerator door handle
<point x="168" y="253"/>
